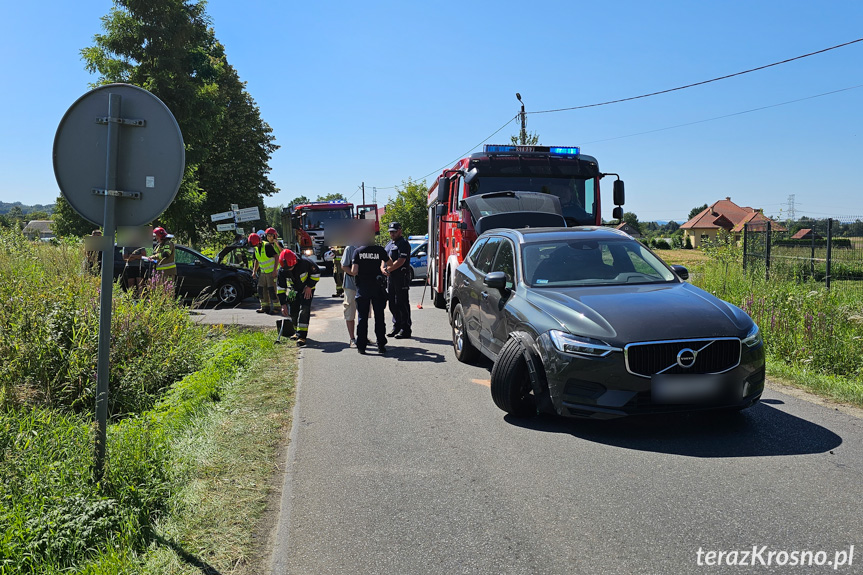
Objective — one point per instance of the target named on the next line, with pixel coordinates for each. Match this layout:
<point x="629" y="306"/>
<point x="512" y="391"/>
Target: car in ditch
<point x="588" y="322"/>
<point x="201" y="277"/>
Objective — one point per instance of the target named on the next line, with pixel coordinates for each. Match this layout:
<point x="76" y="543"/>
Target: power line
<point x="726" y="115"/>
<point x="439" y="170"/>
<point x="699" y="83"/>
<point x="656" y="94"/>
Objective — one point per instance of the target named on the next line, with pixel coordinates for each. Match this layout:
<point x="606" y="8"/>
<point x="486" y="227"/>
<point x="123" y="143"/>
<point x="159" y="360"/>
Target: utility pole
<point x="791" y="214"/>
<point x="363" y="184"/>
<point x="522" y="137"/>
<point x="374" y="195"/>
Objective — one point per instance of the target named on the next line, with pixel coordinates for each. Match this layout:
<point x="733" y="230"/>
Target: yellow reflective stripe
<point x="281" y="290"/>
<point x="169" y="266"/>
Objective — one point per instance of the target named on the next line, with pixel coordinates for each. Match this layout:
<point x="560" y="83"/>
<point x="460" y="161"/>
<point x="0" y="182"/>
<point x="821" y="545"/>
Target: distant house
<point x="724" y="215"/>
<point x="625" y="227"/>
<point x="38" y="230"/>
<point x="806" y="234"/>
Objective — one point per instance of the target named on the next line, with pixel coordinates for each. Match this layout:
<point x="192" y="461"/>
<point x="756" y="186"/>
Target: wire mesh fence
<point x="826" y="252"/>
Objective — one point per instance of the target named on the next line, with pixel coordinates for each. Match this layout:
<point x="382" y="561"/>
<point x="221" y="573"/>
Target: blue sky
<point x="379" y="92"/>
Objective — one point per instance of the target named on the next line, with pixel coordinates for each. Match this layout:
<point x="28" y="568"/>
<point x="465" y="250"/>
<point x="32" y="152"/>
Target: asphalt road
<point x="402" y="464"/>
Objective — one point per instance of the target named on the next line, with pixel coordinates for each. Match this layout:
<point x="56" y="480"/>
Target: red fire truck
<point x="316" y="217"/>
<point x="564" y="172"/>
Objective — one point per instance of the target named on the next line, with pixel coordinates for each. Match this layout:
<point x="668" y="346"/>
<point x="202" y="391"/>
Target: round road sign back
<point x="150" y="157"/>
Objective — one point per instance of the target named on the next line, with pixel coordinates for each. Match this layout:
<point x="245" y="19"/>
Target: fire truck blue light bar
<point x="556" y="150"/>
<point x="565" y="151"/>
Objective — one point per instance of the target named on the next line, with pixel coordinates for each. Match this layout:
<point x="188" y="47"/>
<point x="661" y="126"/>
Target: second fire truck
<point x="315" y="218"/>
<point x="497" y="174"/>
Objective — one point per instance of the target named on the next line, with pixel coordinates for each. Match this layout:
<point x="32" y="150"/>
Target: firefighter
<point x="398" y="281"/>
<point x="163" y="252"/>
<point x="264" y="268"/>
<point x="295" y="285"/>
<point x="338" y="272"/>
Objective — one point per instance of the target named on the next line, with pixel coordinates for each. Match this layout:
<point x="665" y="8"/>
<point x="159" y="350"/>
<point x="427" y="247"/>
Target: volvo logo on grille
<point x="686" y="358"/>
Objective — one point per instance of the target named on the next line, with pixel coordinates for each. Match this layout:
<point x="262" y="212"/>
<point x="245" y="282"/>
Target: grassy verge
<point x="225" y="461"/>
<point x="185" y="484"/>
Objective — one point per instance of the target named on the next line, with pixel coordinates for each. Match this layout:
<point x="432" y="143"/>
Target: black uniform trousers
<point x="398" y="288"/>
<point x="375" y="299"/>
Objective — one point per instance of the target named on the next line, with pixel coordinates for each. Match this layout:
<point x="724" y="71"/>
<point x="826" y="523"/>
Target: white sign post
<point x="244" y="215"/>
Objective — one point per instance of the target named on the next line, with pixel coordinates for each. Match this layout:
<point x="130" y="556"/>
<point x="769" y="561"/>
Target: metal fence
<point x="828" y="252"/>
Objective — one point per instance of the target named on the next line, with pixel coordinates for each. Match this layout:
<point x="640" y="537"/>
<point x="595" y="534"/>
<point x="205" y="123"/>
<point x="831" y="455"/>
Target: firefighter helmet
<point x="254" y="240"/>
<point x="160" y="233"/>
<point x="288" y="258"/>
<point x="272" y="232"/>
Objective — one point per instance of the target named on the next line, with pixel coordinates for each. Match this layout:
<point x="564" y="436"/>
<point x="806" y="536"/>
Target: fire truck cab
<point x="315" y="218"/>
<point x="564" y="172"/>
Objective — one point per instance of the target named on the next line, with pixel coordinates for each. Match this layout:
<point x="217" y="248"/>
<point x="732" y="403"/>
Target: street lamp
<point x="523" y="135"/>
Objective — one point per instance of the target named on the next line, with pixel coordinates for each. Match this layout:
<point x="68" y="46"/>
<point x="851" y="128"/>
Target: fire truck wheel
<point x="510" y="382"/>
<point x="465" y="351"/>
<point x="439" y="300"/>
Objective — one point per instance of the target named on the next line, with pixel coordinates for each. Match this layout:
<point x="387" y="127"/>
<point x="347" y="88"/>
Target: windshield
<point x="317" y="219"/>
<point x="584" y="262"/>
<point x="577" y="196"/>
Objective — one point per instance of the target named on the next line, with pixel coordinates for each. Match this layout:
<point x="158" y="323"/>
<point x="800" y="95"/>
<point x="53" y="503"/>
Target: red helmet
<point x="272" y="231"/>
<point x="254" y="240"/>
<point x="160" y="232"/>
<point x="288" y="258"/>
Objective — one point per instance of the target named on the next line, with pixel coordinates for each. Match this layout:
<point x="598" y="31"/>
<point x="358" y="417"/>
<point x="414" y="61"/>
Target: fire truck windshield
<point x="577" y="196"/>
<point x="317" y="219"/>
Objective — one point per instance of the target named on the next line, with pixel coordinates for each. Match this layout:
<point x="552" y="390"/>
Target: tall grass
<point x="49" y="333"/>
<point x="803" y="324"/>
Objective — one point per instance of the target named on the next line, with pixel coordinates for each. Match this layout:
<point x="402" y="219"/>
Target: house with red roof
<point x="724" y="215"/>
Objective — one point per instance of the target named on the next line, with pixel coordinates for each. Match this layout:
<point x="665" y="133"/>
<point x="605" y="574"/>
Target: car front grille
<point x="711" y="356"/>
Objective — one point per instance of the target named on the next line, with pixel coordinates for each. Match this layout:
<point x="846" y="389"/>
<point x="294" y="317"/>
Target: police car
<point x="419" y="256"/>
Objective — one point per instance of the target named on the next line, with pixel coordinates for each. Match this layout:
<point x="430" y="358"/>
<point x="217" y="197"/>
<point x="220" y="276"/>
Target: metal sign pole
<point x="103" y="366"/>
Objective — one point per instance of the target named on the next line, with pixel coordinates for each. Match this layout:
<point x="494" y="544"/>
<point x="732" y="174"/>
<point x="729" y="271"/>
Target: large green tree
<point x="632" y="219"/>
<point x="168" y="48"/>
<point x="236" y="169"/>
<point x="68" y="223"/>
<point x="695" y="211"/>
<point x="408" y="208"/>
<point x="331" y="197"/>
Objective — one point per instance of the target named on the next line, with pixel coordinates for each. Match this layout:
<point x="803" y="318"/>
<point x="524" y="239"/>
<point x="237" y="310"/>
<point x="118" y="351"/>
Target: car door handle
<point x="465" y="283"/>
<point x="484" y="295"/>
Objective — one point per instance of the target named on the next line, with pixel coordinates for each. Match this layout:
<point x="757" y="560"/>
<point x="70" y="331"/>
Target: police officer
<point x="398" y="284"/>
<point x="367" y="267"/>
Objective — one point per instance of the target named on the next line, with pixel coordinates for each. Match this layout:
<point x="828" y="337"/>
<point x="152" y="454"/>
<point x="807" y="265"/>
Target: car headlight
<point x="309" y="252"/>
<point x="753" y="338"/>
<point x="577" y="345"/>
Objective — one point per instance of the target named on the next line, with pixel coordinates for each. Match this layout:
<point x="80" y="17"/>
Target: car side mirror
<point x="495" y="280"/>
<point x="420" y="255"/>
<point x="617" y="214"/>
<point x="681" y="271"/>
